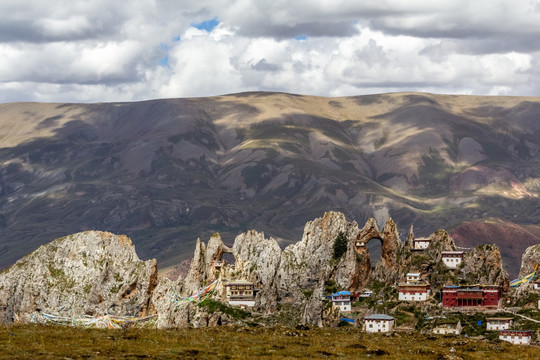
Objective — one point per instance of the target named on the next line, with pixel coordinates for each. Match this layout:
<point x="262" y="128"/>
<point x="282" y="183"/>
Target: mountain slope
<point x="167" y="171"/>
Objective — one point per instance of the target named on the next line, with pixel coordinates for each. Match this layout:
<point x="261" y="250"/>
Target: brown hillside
<point x="512" y="239"/>
<point x="168" y="171"/>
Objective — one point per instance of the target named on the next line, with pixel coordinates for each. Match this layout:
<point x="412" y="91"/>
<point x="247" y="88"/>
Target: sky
<point x="131" y="50"/>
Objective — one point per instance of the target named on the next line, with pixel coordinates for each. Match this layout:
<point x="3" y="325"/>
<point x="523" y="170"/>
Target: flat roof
<point x="516" y="331"/>
<point x="239" y="282"/>
<point x="379" y="317"/>
<point x="470" y="287"/>
<point x="413" y="274"/>
<point x="342" y="293"/>
<point x="452" y="252"/>
<point x="474" y="289"/>
<point x="499" y="318"/>
<point x="447" y="322"/>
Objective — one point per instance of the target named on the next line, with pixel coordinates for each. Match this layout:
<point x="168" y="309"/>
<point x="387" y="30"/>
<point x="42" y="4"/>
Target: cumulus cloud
<point x="117" y="51"/>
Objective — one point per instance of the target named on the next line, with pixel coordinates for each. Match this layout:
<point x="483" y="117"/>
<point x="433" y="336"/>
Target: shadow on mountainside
<point x="165" y="172"/>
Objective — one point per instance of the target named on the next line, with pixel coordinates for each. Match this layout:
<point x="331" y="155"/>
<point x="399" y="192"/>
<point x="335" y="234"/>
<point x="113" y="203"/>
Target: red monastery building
<point x="466" y="296"/>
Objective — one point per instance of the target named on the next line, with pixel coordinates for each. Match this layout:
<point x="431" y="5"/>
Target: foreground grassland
<point x="57" y="342"/>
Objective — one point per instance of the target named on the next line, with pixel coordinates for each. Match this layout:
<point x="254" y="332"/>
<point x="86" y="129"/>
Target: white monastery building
<point x="379" y="323"/>
<point x="516" y="337"/>
<point x="452" y="259"/>
<point x="421" y="243"/>
<point x="499" y="323"/>
<point x="448" y="328"/>
<point x="413" y="292"/>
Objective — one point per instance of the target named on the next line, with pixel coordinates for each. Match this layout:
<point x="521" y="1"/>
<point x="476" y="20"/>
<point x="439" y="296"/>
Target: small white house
<point x="448" y="328"/>
<point x="452" y="259"/>
<point x="499" y="323"/>
<point x="378" y="323"/>
<point x="421" y="243"/>
<point x="516" y="337"/>
<point x="342" y="301"/>
<point x="536" y="285"/>
<point x="413" y="278"/>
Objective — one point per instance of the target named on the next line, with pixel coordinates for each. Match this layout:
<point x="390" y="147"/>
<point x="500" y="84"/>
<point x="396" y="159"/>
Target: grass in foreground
<point x="52" y="342"/>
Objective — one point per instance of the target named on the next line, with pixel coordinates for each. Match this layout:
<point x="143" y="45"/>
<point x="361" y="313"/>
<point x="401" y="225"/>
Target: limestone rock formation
<point x="308" y="262"/>
<point x="308" y="265"/>
<point x="257" y="259"/>
<point x="203" y="268"/>
<point x="521" y="295"/>
<point x="529" y="260"/>
<point x="90" y="273"/>
<point x="483" y="265"/>
<point x="294" y="278"/>
<point x="388" y="268"/>
<point x="95" y="273"/>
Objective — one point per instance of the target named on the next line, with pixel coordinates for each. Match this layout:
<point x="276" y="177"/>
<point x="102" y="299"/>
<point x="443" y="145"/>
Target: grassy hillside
<point x="168" y="171"/>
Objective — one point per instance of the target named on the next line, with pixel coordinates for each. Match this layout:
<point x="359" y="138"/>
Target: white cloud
<point x="105" y="51"/>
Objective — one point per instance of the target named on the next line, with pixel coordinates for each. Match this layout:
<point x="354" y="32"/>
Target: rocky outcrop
<point x="307" y="263"/>
<point x="529" y="260"/>
<point x="390" y="243"/>
<point x="96" y="273"/>
<point x="89" y="273"/>
<point x="483" y="265"/>
<point x="257" y="259"/>
<point x="524" y="294"/>
<point x="294" y="278"/>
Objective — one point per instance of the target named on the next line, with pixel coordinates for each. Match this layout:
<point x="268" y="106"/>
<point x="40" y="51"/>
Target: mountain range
<point x="168" y="171"/>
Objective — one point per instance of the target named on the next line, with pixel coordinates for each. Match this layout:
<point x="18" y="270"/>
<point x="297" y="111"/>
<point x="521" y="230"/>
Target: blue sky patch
<point x="301" y="37"/>
<point x="164" y="61"/>
<point x="207" y="25"/>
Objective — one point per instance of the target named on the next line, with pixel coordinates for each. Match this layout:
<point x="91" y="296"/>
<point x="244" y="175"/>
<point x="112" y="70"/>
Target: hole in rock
<point x="375" y="251"/>
<point x="228" y="258"/>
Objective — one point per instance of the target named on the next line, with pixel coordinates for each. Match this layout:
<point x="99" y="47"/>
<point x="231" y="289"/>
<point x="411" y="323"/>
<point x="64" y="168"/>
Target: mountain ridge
<point x="167" y="171"/>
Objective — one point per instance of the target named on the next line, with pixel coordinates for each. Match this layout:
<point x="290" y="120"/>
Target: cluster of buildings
<point x="500" y="324"/>
<point x="452" y="259"/>
<point x="414" y="288"/>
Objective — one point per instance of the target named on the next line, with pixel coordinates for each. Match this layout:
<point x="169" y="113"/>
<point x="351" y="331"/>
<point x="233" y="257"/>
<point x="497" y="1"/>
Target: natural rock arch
<point x="390" y="242"/>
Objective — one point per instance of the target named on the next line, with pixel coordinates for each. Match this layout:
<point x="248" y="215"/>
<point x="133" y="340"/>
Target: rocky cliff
<point x="525" y="294"/>
<point x="294" y="282"/>
<point x="89" y="273"/>
<point x="529" y="260"/>
<point x="95" y="273"/>
<point x="483" y="265"/>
